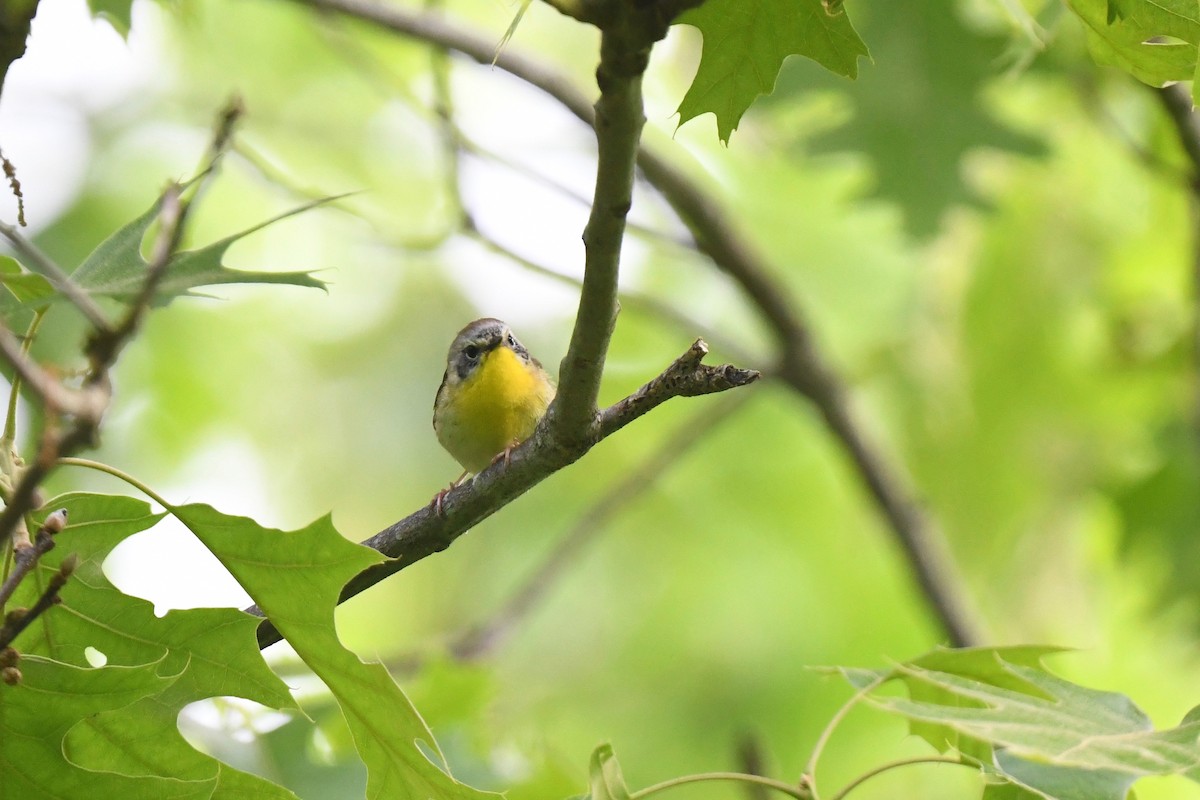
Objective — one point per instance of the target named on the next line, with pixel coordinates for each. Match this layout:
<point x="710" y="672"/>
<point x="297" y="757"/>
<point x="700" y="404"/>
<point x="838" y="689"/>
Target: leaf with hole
<point x="296" y="578"/>
<point x="210" y="652"/>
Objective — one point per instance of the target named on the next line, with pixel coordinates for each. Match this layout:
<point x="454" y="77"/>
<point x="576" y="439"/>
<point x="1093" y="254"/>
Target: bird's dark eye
<point x="471" y="351"/>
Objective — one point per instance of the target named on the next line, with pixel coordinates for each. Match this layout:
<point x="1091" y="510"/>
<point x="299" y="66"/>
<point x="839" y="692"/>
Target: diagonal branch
<point x="1178" y="104"/>
<point x="426" y="532"/>
<point x="800" y="364"/>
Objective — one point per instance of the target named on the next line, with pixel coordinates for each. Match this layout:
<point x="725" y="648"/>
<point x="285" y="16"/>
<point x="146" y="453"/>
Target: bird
<point x="492" y="396"/>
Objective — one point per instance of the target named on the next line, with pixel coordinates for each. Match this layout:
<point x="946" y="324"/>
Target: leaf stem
<point x="810" y="769"/>
<point x="791" y="789"/>
<point x="87" y="463"/>
<point x="904" y="762"/>
<point x="10" y="420"/>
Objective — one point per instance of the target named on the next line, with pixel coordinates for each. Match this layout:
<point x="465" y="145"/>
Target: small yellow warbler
<point x="491" y="397"/>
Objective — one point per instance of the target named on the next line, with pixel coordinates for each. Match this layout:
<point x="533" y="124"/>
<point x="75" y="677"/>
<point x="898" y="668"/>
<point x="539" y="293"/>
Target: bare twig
<point x="753" y="762"/>
<point x="46" y="385"/>
<point x="42" y="264"/>
<point x="25" y="558"/>
<point x="426" y="532"/>
<point x="1178" y="105"/>
<point x="105" y="347"/>
<point x="15" y="622"/>
<point x="800" y="363"/>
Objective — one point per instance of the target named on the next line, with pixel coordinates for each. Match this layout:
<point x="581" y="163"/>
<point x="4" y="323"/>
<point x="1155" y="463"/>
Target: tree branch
<point x="625" y="42"/>
<point x="426" y="532"/>
<point x="1178" y="105"/>
<point x="801" y="366"/>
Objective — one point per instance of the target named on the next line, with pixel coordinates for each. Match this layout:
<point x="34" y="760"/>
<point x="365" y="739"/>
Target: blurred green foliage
<point x="1024" y="355"/>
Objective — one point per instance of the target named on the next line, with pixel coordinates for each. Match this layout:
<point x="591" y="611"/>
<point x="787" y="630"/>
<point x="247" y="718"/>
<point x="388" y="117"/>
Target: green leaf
<point x="983" y="664"/>
<point x="114" y="12"/>
<point x="296" y="578"/>
<point x="27" y="288"/>
<point x="117" y="269"/>
<point x="1063" y="783"/>
<point x="1051" y="736"/>
<point x="49" y="700"/>
<point x="212" y="652"/>
<point x="1009" y="791"/>
<point x="745" y="44"/>
<point x="917" y="113"/>
<point x="604" y="776"/>
<point x="1129" y="34"/>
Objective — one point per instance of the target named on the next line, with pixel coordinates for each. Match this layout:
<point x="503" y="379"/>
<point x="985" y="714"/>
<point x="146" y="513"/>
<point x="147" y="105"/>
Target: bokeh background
<point x="991" y="235"/>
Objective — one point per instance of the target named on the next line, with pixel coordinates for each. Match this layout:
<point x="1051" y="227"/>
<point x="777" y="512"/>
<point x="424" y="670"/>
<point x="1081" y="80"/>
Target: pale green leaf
<point x="745" y="44"/>
<point x="116" y="268"/>
<point x="296" y="578"/>
<point x="604" y="776"/>
<point x="115" y="12"/>
<point x="1153" y="40"/>
<point x="1058" y="738"/>
<point x="1063" y="783"/>
<point x="27" y="288"/>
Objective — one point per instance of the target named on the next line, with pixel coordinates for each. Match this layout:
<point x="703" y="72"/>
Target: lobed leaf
<point x="211" y="652"/>
<point x="296" y="578"/>
<point x="1044" y="734"/>
<point x="745" y="44"/>
<point x="50" y="699"/>
<point x="117" y="269"/>
<point x="1153" y="40"/>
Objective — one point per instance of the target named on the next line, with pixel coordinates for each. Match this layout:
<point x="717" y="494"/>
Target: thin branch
<point x="809" y="778"/>
<point x="45" y="385"/>
<point x="9" y="437"/>
<point x="39" y="262"/>
<point x="426" y="532"/>
<point x="26" y="558"/>
<point x="753" y="762"/>
<point x="15" y="623"/>
<point x="106" y="346"/>
<point x="800" y="363"/>
<point x="484" y="637"/>
<point x="630" y="300"/>
<point x="619" y="118"/>
<point x="791" y="789"/>
<point x="903" y="762"/>
<point x="1178" y="105"/>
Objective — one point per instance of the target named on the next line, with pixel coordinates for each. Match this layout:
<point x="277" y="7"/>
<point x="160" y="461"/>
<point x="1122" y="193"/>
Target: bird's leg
<point x="505" y="455"/>
<point x="441" y="496"/>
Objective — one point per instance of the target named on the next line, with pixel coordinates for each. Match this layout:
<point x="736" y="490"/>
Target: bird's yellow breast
<point x="498" y="404"/>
